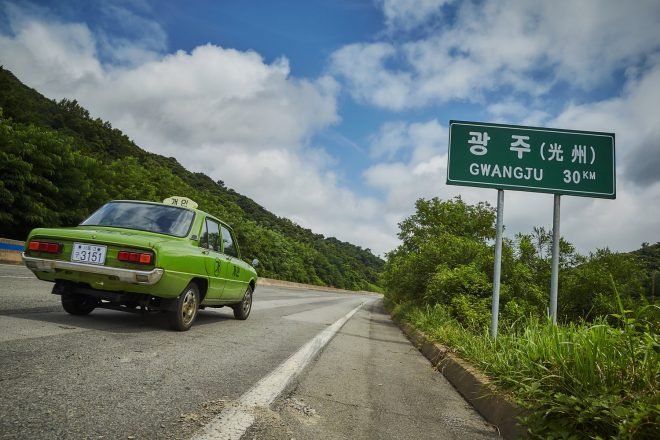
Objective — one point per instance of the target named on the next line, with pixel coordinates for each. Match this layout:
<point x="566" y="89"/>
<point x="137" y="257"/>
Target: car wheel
<point x="185" y="308"/>
<point x="77" y="304"/>
<point x="243" y="308"/>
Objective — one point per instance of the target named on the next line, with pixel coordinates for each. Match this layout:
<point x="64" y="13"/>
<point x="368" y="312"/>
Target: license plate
<point x="88" y="253"/>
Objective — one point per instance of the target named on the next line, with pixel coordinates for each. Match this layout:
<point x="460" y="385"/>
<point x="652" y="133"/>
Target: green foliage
<point x="594" y="376"/>
<point x="649" y="258"/>
<point x="584" y="380"/>
<point x="434" y="246"/>
<point x="462" y="280"/>
<point x="439" y="261"/>
<point x="57" y="165"/>
<point x="43" y="180"/>
<point x="434" y="218"/>
<point x="587" y="289"/>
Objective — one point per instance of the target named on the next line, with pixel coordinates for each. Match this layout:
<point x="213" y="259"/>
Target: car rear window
<point x="170" y="220"/>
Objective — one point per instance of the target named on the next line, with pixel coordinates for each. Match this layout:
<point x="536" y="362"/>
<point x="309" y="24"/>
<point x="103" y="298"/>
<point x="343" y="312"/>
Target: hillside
<point x="57" y="164"/>
<point x="649" y="258"/>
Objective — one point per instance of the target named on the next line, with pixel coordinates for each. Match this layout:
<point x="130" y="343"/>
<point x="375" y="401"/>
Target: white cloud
<point x="61" y="54"/>
<point x="248" y="122"/>
<point x="421" y="174"/>
<point x="363" y="66"/>
<point x="141" y="38"/>
<point x="220" y="111"/>
<point x="621" y="224"/>
<point x="407" y="14"/>
<point x="527" y="46"/>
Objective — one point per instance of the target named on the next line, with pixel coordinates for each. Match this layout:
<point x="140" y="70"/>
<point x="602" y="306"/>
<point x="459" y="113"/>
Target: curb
<point x="473" y="386"/>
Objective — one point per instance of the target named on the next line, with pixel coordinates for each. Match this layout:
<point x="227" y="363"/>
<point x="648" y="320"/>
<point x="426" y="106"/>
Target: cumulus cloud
<point x="224" y="112"/>
<point x="362" y="65"/>
<point x="407" y="14"/>
<point x="527" y="46"/>
<point x="419" y="173"/>
<point x="250" y="123"/>
<point x="621" y="224"/>
<point x="65" y="52"/>
<point x="141" y="38"/>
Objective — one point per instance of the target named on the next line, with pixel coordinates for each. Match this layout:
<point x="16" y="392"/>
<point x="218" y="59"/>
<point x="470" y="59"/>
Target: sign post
<point x="554" y="277"/>
<point x="497" y="270"/>
<point x="556" y="161"/>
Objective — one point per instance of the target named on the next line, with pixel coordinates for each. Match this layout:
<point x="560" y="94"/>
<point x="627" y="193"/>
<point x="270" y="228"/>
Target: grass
<point x="594" y="380"/>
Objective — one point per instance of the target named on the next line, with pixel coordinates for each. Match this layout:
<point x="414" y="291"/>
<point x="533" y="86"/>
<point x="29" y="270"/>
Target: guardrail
<point x="10" y="251"/>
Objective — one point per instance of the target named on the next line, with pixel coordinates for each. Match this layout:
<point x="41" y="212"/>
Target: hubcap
<point x="189" y="307"/>
<point x="247" y="302"/>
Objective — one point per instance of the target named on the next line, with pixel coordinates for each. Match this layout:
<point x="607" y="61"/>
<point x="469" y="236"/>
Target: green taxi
<point x="145" y="257"/>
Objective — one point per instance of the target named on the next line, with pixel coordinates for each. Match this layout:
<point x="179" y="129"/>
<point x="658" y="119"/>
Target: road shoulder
<point x="371" y="382"/>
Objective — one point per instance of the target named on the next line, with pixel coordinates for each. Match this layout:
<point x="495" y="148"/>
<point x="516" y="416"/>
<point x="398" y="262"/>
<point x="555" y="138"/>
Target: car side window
<point x="204" y="239"/>
<point x="228" y="241"/>
<point x="211" y="236"/>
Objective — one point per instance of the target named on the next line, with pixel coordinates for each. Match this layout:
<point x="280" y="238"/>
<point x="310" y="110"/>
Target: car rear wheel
<point x="77" y="304"/>
<point x="186" y="307"/>
<point x="243" y="308"/>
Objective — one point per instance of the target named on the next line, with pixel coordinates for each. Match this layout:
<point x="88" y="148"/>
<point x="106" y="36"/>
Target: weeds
<point x="594" y="380"/>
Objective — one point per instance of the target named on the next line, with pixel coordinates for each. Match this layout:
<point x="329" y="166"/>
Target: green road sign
<point x="578" y="163"/>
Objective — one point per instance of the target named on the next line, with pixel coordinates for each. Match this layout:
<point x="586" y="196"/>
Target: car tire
<point x="186" y="307"/>
<point x="242" y="309"/>
<point x="77" y="304"/>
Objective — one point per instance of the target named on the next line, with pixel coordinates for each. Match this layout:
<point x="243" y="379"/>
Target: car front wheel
<point x="243" y="308"/>
<point x="77" y="304"/>
<point x="185" y="309"/>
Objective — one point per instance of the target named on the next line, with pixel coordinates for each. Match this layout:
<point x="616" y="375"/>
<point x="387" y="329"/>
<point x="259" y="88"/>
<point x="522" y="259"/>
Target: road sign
<point x="571" y="162"/>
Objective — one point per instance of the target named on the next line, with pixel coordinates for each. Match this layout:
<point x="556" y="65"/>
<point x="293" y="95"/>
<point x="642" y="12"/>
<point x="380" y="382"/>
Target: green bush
<point x="593" y="376"/>
<point x="585" y="380"/>
<point x="462" y="280"/>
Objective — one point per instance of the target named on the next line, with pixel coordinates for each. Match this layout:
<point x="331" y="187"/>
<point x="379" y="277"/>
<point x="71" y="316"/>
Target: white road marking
<point x="320" y="315"/>
<point x="15" y="276"/>
<point x="232" y="423"/>
<point x="263" y="304"/>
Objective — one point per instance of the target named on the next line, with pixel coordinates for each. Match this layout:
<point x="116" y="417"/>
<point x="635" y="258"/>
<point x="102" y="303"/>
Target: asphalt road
<point x="116" y="375"/>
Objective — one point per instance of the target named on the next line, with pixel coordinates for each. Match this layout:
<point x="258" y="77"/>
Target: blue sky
<point x="335" y="113"/>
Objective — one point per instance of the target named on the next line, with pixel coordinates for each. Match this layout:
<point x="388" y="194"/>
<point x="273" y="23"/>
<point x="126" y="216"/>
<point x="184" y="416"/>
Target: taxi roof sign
<point x="183" y="202"/>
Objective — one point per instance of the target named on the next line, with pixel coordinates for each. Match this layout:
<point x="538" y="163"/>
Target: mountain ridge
<point x="105" y="163"/>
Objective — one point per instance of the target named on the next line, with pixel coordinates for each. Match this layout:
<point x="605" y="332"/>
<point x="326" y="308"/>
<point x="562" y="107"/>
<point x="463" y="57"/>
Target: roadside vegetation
<point x="58" y="165"/>
<point x="594" y="375"/>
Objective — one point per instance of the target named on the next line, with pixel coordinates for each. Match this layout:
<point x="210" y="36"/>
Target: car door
<point x="210" y="246"/>
<point x="235" y="287"/>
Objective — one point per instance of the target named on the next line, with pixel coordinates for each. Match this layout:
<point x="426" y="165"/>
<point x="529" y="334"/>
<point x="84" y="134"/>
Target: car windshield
<point x="170" y="220"/>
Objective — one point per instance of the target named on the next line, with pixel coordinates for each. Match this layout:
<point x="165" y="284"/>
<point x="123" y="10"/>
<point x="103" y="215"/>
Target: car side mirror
<point x="255" y="263"/>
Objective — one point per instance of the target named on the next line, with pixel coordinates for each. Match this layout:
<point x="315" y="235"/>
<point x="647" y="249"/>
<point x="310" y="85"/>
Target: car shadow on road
<point x="120" y="322"/>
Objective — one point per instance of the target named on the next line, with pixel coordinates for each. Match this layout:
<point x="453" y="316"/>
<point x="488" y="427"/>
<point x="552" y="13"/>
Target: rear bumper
<point x="124" y="275"/>
<point x="122" y="301"/>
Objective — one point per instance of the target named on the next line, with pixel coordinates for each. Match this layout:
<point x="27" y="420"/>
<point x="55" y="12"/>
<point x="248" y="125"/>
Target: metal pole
<point x="554" y="280"/>
<point x="498" y="264"/>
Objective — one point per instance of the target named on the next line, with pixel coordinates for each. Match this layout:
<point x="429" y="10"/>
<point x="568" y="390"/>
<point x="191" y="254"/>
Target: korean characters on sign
<point x="537" y="159"/>
<point x="478" y="143"/>
<point x="519" y="146"/>
<point x="183" y="202"/>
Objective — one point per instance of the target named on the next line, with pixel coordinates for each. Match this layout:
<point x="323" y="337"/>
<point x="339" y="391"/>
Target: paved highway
<point x="113" y="375"/>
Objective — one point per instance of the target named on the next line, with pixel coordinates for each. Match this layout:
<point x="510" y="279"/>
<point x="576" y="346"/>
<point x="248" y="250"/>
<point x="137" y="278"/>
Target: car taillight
<point x="45" y="246"/>
<point x="135" y="257"/>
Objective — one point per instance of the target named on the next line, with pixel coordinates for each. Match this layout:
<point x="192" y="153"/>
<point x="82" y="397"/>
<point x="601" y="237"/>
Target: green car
<point x="142" y="257"/>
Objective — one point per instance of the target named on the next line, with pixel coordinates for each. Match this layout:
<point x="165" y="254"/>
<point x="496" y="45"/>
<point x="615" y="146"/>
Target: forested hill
<point x="58" y="164"/>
